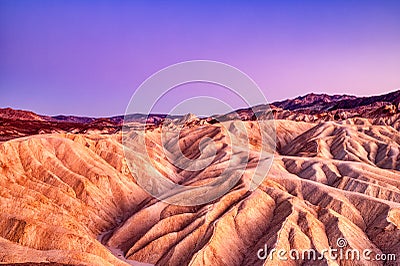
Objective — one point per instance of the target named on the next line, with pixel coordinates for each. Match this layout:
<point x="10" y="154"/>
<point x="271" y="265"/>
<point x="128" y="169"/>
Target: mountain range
<point x="69" y="197"/>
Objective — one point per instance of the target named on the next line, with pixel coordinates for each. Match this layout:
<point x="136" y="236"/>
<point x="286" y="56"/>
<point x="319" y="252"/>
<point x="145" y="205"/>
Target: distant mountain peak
<point x="9" y="113"/>
<point x="323" y="102"/>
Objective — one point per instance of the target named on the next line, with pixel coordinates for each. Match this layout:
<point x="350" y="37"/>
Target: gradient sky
<point x="88" y="57"/>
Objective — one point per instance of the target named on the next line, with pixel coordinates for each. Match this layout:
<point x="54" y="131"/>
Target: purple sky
<point x="88" y="57"/>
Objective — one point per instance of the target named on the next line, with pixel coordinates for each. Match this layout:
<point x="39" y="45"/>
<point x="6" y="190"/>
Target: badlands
<point x="69" y="197"/>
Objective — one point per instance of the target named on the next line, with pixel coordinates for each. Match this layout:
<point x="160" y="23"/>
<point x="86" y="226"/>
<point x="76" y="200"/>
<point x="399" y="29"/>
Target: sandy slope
<point x="69" y="197"/>
<point x="60" y="192"/>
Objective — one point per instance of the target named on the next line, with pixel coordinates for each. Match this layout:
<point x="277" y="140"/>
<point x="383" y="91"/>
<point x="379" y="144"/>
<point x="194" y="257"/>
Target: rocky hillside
<point x="68" y="196"/>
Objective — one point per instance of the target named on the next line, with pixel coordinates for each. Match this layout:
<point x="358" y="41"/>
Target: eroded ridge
<point x="71" y="198"/>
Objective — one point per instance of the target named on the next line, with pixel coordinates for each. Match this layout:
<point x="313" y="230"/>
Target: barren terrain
<point x="68" y="197"/>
